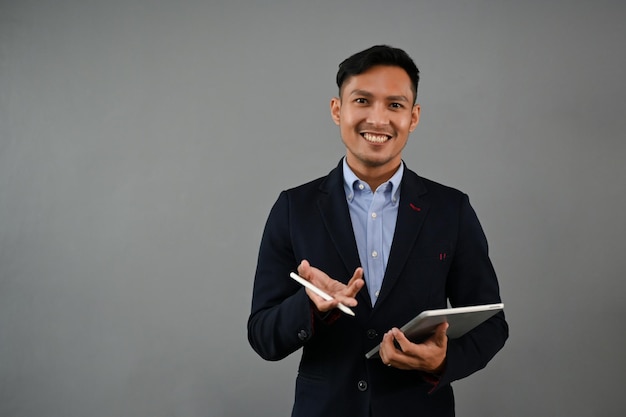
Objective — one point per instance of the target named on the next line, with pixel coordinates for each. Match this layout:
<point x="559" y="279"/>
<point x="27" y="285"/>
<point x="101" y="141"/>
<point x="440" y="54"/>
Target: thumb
<point x="400" y="338"/>
<point x="440" y="334"/>
<point x="303" y="269"/>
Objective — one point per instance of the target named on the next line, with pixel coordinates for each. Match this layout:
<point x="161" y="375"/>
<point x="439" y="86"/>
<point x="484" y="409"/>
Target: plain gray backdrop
<point x="142" y="144"/>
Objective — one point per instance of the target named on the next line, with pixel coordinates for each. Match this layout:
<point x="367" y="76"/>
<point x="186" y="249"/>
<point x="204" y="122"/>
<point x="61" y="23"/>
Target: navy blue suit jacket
<point x="439" y="253"/>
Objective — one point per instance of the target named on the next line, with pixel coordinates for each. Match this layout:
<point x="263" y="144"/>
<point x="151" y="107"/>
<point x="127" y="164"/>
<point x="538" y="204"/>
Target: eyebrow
<point x="368" y="94"/>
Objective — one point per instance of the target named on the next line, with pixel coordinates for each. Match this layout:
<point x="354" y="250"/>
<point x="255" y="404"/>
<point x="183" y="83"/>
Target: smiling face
<point x="375" y="115"/>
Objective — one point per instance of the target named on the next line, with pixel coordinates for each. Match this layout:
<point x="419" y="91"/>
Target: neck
<point x="374" y="176"/>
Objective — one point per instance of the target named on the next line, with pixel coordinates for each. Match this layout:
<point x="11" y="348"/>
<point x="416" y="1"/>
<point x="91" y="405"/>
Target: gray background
<point x="142" y="144"/>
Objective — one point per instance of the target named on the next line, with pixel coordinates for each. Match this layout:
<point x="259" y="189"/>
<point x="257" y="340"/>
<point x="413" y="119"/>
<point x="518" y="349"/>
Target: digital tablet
<point x="460" y="320"/>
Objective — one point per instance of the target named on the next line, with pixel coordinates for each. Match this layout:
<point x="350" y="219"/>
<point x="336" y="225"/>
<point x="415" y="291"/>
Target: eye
<point x="396" y="105"/>
<point x="360" y="100"/>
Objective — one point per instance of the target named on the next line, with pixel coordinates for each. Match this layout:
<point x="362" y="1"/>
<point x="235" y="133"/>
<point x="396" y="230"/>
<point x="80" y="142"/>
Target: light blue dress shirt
<point x="373" y="216"/>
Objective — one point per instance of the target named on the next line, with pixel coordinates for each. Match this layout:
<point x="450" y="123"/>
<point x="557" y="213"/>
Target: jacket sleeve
<point x="472" y="281"/>
<point x="281" y="320"/>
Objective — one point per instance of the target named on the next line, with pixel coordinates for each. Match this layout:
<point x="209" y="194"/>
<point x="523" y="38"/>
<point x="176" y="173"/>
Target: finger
<point x="347" y="296"/>
<point x="304" y="269"/>
<point x="386" y="348"/>
<point x="396" y="341"/>
<point x="356" y="283"/>
<point x="320" y="303"/>
<point x="400" y="339"/>
<point x="440" y="337"/>
<point x="352" y="290"/>
<point x="358" y="274"/>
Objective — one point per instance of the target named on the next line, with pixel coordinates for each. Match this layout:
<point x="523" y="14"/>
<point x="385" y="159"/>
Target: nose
<point x="378" y="115"/>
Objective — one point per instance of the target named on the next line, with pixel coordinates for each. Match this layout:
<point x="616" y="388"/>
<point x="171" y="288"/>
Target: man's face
<point x="375" y="115"/>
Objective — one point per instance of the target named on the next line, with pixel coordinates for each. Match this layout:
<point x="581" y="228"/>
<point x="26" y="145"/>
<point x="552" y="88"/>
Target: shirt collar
<point x="350" y="180"/>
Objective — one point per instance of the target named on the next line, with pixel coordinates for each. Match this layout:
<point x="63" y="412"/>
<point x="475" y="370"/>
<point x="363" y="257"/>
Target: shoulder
<point x="425" y="186"/>
<point x="331" y="182"/>
<point x="308" y="187"/>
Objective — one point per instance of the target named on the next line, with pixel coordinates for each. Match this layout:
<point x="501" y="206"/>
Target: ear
<point x="415" y="117"/>
<point x="335" y="109"/>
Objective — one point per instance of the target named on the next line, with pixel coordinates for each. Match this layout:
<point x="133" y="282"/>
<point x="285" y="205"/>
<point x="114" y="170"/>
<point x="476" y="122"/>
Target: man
<point x="385" y="242"/>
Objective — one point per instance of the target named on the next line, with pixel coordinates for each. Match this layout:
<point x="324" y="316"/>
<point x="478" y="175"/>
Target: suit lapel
<point x="412" y="212"/>
<point x="336" y="216"/>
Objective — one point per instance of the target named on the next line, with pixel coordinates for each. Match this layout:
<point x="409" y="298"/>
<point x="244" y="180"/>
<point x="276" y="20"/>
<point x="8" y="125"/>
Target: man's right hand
<point x="340" y="292"/>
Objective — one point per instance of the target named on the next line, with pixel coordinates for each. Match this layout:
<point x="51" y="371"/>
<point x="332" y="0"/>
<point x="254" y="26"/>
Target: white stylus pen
<point x="319" y="292"/>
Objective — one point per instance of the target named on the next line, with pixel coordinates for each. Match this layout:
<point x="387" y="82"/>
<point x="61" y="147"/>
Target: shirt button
<point x="373" y="215"/>
<point x="362" y="385"/>
<point x="374" y="254"/>
<point x="376" y="294"/>
<point x="371" y="334"/>
<point x="361" y="186"/>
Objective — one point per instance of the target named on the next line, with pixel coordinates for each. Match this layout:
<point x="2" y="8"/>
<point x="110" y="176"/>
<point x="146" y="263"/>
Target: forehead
<point x="380" y="80"/>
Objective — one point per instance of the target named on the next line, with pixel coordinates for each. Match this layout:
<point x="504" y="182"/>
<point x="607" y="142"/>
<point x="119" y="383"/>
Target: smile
<point x="375" y="138"/>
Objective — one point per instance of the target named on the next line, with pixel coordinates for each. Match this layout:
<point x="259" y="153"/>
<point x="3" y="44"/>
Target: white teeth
<point x="370" y="137"/>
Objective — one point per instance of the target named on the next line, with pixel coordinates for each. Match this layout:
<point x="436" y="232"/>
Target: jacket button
<point x="371" y="334"/>
<point x="303" y="335"/>
<point x="362" y="385"/>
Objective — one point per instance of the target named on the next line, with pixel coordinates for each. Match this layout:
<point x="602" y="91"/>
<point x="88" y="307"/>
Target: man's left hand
<point x="428" y="356"/>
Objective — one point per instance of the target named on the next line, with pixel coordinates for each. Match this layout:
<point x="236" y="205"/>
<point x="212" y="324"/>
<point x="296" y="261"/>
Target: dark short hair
<point x="378" y="55"/>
